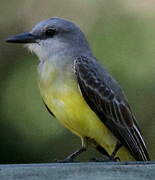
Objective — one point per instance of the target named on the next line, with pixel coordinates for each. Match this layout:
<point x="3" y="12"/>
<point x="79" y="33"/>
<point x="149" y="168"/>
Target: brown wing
<point x="105" y="97"/>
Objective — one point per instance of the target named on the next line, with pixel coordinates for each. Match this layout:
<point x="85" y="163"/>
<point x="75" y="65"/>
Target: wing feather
<point x="105" y="97"/>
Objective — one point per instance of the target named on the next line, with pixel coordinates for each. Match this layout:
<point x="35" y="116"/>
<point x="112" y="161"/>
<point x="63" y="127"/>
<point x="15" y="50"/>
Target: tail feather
<point x="142" y="154"/>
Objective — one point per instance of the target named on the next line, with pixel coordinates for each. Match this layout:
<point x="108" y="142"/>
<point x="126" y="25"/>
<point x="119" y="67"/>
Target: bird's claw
<point x="66" y="160"/>
<point x="110" y="159"/>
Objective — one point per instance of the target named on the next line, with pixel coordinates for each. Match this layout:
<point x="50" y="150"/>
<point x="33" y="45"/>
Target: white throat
<point x="49" y="49"/>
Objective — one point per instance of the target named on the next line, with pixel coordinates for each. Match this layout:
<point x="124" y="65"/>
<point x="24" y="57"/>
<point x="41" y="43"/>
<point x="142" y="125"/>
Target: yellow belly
<point x="62" y="96"/>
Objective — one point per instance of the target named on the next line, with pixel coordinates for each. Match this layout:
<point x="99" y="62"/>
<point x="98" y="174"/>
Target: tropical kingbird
<point x="80" y="93"/>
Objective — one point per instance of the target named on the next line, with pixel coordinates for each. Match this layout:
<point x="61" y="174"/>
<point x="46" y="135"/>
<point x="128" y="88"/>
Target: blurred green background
<point x="122" y="36"/>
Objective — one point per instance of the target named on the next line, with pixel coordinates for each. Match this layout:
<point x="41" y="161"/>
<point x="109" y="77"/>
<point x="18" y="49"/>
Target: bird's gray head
<point x="54" y="36"/>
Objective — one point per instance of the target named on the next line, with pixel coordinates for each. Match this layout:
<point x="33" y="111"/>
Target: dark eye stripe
<point x="50" y="32"/>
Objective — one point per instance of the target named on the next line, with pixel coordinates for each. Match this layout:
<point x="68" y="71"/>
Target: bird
<point x="80" y="92"/>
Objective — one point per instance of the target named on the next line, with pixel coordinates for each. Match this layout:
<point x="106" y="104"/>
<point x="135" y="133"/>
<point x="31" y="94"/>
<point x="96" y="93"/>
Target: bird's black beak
<point x="22" y="38"/>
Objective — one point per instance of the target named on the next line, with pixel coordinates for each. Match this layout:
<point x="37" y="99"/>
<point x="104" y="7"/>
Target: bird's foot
<point x="109" y="159"/>
<point x="66" y="160"/>
<point x="71" y="157"/>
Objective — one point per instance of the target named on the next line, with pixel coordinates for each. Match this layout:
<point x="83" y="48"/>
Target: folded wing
<point x="105" y="97"/>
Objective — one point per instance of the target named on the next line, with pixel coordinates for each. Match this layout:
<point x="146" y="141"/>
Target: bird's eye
<point x="50" y="32"/>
